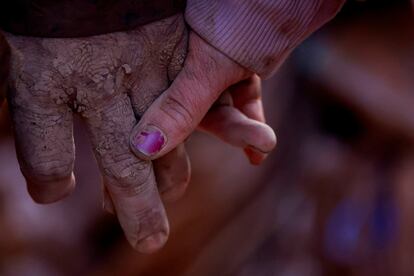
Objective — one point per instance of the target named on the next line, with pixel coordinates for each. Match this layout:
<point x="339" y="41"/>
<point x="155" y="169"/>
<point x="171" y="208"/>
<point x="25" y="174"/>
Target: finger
<point x="233" y="127"/>
<point x="164" y="56"/>
<point x="173" y="172"/>
<point x="247" y="97"/>
<point x="177" y="112"/>
<point x="45" y="147"/>
<point x="130" y="181"/>
<point x="232" y="120"/>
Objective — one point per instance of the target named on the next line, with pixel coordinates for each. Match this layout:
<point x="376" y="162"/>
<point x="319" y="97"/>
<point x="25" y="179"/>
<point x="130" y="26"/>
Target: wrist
<point x="214" y="66"/>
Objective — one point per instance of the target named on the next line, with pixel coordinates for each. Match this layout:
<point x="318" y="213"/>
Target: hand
<point x="94" y="77"/>
<point x="182" y="107"/>
<point x="109" y="81"/>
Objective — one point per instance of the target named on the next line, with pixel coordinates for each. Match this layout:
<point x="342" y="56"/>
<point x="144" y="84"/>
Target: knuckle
<point x="130" y="177"/>
<point x="179" y="108"/>
<point x="49" y="171"/>
<point x="203" y="70"/>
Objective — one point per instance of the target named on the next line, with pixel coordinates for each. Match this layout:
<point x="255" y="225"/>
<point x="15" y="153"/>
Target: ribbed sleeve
<point x="258" y="34"/>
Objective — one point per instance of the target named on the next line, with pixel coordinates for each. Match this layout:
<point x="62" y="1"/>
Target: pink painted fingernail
<point x="149" y="141"/>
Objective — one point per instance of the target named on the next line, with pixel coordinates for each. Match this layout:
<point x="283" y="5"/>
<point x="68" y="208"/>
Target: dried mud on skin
<point x="109" y="80"/>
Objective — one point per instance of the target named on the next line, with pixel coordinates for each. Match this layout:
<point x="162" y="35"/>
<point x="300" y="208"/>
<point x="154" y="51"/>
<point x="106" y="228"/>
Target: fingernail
<point x="255" y="156"/>
<point x="45" y="192"/>
<point x="152" y="243"/>
<point x="149" y="141"/>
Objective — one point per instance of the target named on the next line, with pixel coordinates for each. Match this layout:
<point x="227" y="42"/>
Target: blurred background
<point x="335" y="198"/>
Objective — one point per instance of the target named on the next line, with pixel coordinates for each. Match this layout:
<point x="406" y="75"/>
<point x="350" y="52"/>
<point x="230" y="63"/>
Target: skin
<point x="178" y="111"/>
<point x="104" y="80"/>
<point x="110" y="81"/>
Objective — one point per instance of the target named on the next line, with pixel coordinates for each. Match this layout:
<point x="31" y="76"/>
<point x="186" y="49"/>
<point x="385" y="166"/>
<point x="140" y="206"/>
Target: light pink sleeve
<point x="258" y="34"/>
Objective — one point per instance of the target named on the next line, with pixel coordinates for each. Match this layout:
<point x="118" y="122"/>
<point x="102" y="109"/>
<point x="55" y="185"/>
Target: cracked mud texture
<point x="109" y="80"/>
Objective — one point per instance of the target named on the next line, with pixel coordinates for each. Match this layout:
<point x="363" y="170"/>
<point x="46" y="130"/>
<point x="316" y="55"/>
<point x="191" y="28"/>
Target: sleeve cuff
<point x="260" y="34"/>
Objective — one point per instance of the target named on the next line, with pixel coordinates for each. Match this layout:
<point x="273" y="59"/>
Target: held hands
<point x="237" y="118"/>
<point x="110" y="80"/>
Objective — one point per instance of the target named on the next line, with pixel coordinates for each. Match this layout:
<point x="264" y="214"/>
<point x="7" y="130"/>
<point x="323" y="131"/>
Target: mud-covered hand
<point x="109" y="81"/>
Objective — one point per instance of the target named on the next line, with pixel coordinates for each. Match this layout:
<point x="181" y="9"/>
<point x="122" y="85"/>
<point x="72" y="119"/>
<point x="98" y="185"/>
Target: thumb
<point x="179" y="110"/>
